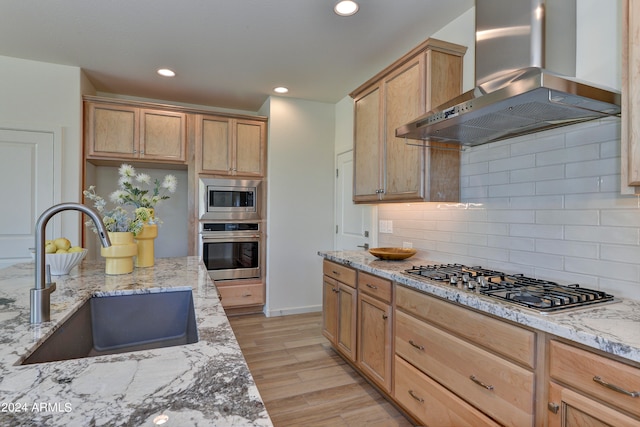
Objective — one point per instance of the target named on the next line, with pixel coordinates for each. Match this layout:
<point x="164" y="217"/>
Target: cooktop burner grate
<point x="540" y="295"/>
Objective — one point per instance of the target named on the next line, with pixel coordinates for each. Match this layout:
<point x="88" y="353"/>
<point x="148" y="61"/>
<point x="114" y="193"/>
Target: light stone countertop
<point x="206" y="383"/>
<point x="613" y="328"/>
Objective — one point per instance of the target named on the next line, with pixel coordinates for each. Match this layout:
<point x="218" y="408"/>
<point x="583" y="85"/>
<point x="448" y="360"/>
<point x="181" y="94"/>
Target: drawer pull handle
<point x="335" y="290"/>
<point x="371" y="286"/>
<point x="337" y="273"/>
<point x="246" y="295"/>
<point x="616" y="388"/>
<point x="480" y="383"/>
<point x="419" y="399"/>
<point x="419" y="347"/>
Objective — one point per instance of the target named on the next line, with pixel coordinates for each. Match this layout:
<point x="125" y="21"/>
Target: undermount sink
<point x="122" y="323"/>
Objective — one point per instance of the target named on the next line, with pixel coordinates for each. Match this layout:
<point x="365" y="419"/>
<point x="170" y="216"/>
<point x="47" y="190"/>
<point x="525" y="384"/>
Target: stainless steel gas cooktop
<point x="542" y="296"/>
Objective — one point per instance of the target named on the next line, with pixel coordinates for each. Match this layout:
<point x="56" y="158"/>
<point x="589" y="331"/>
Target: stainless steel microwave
<point x="230" y="199"/>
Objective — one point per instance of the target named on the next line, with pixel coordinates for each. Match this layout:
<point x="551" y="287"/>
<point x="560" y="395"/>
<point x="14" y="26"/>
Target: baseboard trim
<point x="293" y="310"/>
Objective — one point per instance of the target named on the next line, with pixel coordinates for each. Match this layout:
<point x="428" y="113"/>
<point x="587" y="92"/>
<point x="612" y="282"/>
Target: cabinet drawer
<point x="374" y="286"/>
<point x="431" y="403"/>
<point x="240" y="295"/>
<point x="509" y="340"/>
<point x="339" y="272"/>
<point x="578" y="368"/>
<point x="485" y="380"/>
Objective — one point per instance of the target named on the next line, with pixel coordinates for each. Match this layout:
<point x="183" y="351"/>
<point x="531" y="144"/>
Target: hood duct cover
<point x="521" y="101"/>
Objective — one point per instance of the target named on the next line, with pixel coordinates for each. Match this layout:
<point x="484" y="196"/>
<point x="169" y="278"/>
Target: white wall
<point x="300" y="202"/>
<point x="47" y="96"/>
<point x="462" y="31"/>
<point x="546" y="204"/>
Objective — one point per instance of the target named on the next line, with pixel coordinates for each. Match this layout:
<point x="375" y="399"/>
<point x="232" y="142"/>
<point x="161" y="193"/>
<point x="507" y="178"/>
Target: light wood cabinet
<point x="590" y="389"/>
<point x="386" y="168"/>
<point x="117" y="131"/>
<point x="340" y="300"/>
<point x="375" y="328"/>
<point x="231" y="146"/>
<point x="448" y="365"/>
<point x="431" y="403"/>
<point x="235" y="296"/>
<point x="477" y="364"/>
<point x="630" y="152"/>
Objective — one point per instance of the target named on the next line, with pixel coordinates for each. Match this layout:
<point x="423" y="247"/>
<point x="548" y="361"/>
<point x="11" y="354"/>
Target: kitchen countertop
<point x="205" y="383"/>
<point x="613" y="328"/>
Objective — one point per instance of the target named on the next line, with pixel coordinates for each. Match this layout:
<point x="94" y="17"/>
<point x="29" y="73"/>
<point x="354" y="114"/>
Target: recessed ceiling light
<point x="346" y="8"/>
<point x="165" y="72"/>
<point x="280" y="89"/>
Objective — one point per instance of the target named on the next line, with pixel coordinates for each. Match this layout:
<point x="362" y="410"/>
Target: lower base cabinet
<point x="421" y="353"/>
<point x="431" y="403"/>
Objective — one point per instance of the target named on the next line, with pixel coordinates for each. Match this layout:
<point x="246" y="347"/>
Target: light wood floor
<point x="302" y="380"/>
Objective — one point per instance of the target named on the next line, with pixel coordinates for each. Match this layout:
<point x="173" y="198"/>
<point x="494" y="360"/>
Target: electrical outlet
<point x="407" y="245"/>
<point x="382" y="226"/>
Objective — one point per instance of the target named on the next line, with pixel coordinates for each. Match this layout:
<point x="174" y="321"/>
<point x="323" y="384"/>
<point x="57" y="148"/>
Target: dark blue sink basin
<point x="120" y="324"/>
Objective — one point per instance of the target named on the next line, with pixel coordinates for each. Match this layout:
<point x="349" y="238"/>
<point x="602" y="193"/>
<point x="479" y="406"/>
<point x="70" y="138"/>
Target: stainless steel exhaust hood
<point x="514" y="94"/>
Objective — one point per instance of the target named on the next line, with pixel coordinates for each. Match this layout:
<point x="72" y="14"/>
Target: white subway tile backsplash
<point x="564" y="247"/>
<point x="536" y="231"/>
<point x="572" y="217"/>
<point x="546" y="205"/>
<point x="568" y="186"/>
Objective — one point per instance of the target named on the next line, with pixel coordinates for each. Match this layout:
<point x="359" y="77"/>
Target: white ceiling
<point x="227" y="54"/>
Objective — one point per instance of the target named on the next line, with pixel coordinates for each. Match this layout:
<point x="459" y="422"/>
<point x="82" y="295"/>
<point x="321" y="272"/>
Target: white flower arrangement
<point x="134" y="190"/>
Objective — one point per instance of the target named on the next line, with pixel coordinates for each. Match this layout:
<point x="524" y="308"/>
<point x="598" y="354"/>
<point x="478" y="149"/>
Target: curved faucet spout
<point x="40" y="294"/>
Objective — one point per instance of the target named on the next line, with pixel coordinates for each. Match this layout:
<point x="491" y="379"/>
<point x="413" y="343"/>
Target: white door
<point x="27" y="170"/>
<point x="353" y="222"/>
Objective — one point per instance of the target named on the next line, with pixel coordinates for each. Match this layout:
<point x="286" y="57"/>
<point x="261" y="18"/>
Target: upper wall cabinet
<point x="118" y="131"/>
<point x="631" y="97"/>
<point x="230" y="146"/>
<point x="386" y="168"/>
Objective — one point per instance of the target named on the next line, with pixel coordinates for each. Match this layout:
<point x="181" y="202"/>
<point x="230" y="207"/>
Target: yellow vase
<point x="145" y="241"/>
<point x="119" y="256"/>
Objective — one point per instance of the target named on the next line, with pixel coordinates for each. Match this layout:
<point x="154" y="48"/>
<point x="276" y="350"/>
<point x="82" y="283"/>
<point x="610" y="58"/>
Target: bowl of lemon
<point x="61" y="256"/>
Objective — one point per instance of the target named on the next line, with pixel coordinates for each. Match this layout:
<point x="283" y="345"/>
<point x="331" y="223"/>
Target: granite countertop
<point x="206" y="383"/>
<point x="613" y="328"/>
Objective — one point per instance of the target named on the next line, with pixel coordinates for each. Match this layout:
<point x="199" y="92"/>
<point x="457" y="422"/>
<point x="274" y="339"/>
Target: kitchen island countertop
<point x="613" y="328"/>
<point x="205" y="383"/>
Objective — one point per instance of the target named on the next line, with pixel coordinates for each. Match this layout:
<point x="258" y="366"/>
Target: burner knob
<point x="453" y="279"/>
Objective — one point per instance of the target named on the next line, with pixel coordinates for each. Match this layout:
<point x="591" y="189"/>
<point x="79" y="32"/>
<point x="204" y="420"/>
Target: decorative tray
<point x="392" y="253"/>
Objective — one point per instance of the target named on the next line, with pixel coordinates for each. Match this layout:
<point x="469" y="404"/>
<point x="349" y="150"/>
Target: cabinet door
<point x="347" y="309"/>
<point x="249" y="148"/>
<point x="214" y="134"/>
<point x="330" y="309"/>
<point x="162" y="135"/>
<point x="374" y="339"/>
<point x="403" y="101"/>
<point x="570" y="409"/>
<point x="367" y="147"/>
<point x="111" y="130"/>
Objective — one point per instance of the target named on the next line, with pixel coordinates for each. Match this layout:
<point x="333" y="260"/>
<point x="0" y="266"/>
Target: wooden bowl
<point x="392" y="253"/>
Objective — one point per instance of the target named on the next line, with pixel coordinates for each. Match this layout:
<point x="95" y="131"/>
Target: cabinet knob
<point x="553" y="407"/>
<point x="385" y="317"/>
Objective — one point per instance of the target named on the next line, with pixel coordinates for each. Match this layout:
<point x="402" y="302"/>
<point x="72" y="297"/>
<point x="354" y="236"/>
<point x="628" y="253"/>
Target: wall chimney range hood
<point x="525" y="51"/>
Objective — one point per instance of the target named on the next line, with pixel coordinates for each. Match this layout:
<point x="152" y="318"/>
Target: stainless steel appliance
<point x="541" y="296"/>
<point x="525" y="67"/>
<point x="231" y="250"/>
<point x="230" y="199"/>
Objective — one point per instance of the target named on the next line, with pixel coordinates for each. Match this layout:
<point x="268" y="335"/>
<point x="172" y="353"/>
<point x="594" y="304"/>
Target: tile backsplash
<point x="547" y="205"/>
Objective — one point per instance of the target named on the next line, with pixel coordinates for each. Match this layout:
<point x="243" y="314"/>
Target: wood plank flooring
<point x="303" y="381"/>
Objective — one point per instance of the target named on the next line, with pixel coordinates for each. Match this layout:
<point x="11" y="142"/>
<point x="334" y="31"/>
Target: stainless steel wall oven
<point x="232" y="250"/>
